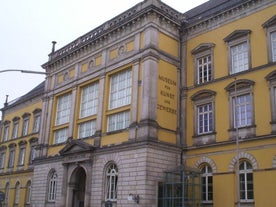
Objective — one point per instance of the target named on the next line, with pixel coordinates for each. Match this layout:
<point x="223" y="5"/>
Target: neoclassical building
<point x="157" y="108"/>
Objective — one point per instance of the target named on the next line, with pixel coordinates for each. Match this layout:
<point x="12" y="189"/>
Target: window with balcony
<point x="203" y="62"/>
<point x="239" y="55"/>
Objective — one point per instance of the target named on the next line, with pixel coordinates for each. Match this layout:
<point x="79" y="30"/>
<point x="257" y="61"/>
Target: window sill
<point x="203" y="139"/>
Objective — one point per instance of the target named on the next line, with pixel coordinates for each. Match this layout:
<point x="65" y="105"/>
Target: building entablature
<point x="117" y="29"/>
<point x="225" y="16"/>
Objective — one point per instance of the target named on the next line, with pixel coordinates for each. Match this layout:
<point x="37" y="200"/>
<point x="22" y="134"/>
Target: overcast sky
<point x="29" y="26"/>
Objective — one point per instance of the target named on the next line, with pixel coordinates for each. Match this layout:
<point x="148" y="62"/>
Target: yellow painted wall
<point x="115" y="138"/>
<point x="168" y="44"/>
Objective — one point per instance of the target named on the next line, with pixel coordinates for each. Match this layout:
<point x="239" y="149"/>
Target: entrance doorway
<point x="77" y="185"/>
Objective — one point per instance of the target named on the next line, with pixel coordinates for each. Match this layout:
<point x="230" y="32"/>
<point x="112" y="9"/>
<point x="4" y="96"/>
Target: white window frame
<point x="89" y="100"/>
<point x="25" y="126"/>
<point x="243" y="110"/>
<point x="237" y="54"/>
<point x="15" y="129"/>
<point x="118" y="121"/>
<point x="6" y="132"/>
<point x="270" y="26"/>
<point x="11" y="157"/>
<point x="52" y="187"/>
<point x="32" y="154"/>
<point x="206" y="113"/>
<point x="87" y="129"/>
<point x="63" y="109"/>
<point x="36" y="124"/>
<point x="60" y="135"/>
<point x="244" y="181"/>
<point x="21" y="159"/>
<point x="204" y="70"/>
<point x="111" y="182"/>
<point x="120" y="89"/>
<point x="206" y="176"/>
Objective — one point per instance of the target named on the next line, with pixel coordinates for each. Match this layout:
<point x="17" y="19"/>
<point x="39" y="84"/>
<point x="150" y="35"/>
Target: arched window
<point x="207" y="183"/>
<point x="52" y="187"/>
<point x="246" y="181"/>
<point x="28" y="193"/>
<point x="17" y="194"/>
<point x="111" y="182"/>
<point x="7" y="192"/>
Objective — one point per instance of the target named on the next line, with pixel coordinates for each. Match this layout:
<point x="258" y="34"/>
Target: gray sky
<point x="29" y="26"/>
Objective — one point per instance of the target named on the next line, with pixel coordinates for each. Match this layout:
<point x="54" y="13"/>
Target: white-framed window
<point x="89" y="100"/>
<point x="36" y="124"/>
<point x="2" y="159"/>
<point x="6" y="132"/>
<point x="271" y="79"/>
<point x="17" y="193"/>
<point x="120" y="89"/>
<point x="111" y="182"/>
<point x="246" y="181"/>
<point x="15" y="129"/>
<point x="270" y="26"/>
<point x="87" y="129"/>
<point x="25" y="126"/>
<point x="52" y="187"/>
<point x="63" y="109"/>
<point x="243" y="110"/>
<point x="203" y="61"/>
<point x="239" y="57"/>
<point x="118" y="121"/>
<point x="207" y="183"/>
<point x="21" y="156"/>
<point x="60" y="135"/>
<point x="11" y="158"/>
<point x="28" y="193"/>
<point x="205" y="118"/>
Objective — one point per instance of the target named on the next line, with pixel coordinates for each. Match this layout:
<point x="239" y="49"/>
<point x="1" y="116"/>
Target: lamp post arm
<point x="23" y="71"/>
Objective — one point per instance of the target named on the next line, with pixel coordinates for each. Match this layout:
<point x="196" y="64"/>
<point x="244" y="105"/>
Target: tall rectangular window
<point x="243" y="110"/>
<point x="36" y="123"/>
<point x="2" y="159"/>
<point x="60" y="135"/>
<point x="63" y="109"/>
<point x="6" y="133"/>
<point x="11" y="158"/>
<point x="25" y="126"/>
<point x="32" y="154"/>
<point x="89" y="100"/>
<point x="118" y="121"/>
<point x="21" y="156"/>
<point x="205" y="118"/>
<point x="239" y="57"/>
<point x="273" y="46"/>
<point x="87" y="129"/>
<point x="15" y="130"/>
<point x="120" y="89"/>
<point x="204" y="69"/>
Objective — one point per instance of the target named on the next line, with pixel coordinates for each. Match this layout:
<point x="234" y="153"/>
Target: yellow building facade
<point x="19" y="136"/>
<point x="152" y="108"/>
<point x="231" y="95"/>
